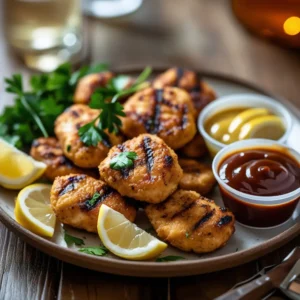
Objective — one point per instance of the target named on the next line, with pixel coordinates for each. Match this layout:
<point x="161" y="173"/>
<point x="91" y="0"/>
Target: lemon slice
<point x="245" y="116"/>
<point x="33" y="210"/>
<point x="124" y="238"/>
<point x="267" y="127"/>
<point x="17" y="169"/>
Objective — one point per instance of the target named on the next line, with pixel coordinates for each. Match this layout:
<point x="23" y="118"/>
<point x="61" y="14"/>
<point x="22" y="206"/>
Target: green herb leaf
<point x="90" y="135"/>
<point x="123" y="160"/>
<point x="99" y="251"/>
<point x="110" y="110"/>
<point x="187" y="235"/>
<point x="69" y="147"/>
<point x="92" y="202"/>
<point x="70" y="240"/>
<point x="169" y="258"/>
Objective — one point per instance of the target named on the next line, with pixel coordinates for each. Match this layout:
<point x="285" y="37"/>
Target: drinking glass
<point x="44" y="33"/>
<point x="110" y="8"/>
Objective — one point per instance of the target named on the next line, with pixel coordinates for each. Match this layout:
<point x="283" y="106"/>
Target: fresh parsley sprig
<point x="98" y="251"/>
<point x="70" y="240"/>
<point x="94" y="132"/>
<point x="34" y="111"/>
<point x="123" y="160"/>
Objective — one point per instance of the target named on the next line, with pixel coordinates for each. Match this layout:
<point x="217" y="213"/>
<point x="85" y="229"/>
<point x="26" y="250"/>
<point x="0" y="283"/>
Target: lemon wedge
<point x="17" y="169"/>
<point x="124" y="238"/>
<point x="244" y="117"/>
<point x="267" y="127"/>
<point x="33" y="210"/>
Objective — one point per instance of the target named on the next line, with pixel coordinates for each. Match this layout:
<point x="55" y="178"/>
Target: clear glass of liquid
<point x="45" y="33"/>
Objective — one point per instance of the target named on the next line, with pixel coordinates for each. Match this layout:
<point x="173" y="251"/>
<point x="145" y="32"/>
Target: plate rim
<point x="162" y="269"/>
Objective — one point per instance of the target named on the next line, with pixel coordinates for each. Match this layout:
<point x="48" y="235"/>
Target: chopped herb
<point x="69" y="148"/>
<point x="99" y="251"/>
<point x="34" y="111"/>
<point x="123" y="160"/>
<point x="90" y="203"/>
<point x="169" y="258"/>
<point x="70" y="240"/>
<point x="187" y="235"/>
<point x="108" y="119"/>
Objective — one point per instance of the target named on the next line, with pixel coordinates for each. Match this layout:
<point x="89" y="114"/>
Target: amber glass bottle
<point x="278" y="20"/>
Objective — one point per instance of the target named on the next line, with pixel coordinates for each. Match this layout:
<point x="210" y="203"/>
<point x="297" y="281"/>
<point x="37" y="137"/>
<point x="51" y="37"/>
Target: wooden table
<point x="194" y="33"/>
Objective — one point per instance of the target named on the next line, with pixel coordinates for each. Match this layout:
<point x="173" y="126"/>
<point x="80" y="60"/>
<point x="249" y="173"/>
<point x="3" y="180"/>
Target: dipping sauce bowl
<point x="259" y="181"/>
<point x="235" y="103"/>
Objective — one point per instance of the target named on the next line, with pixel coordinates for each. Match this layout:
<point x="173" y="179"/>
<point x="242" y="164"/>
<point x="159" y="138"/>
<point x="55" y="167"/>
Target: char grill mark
<point x="149" y="157"/>
<point x="65" y="161"/>
<point x="36" y="143"/>
<point x="87" y="205"/>
<point x="185" y="208"/>
<point x="168" y="161"/>
<point x="204" y="219"/>
<point x="224" y="221"/>
<point x="125" y="171"/>
<point x="71" y="185"/>
<point x="184" y="118"/>
<point x="179" y="75"/>
<point x="74" y="113"/>
<point x="152" y="125"/>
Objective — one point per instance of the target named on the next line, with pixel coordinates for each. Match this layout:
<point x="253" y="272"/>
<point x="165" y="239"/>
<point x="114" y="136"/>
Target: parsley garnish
<point x="187" y="235"/>
<point x="99" y="251"/>
<point x="69" y="239"/>
<point x="69" y="147"/>
<point x="123" y="160"/>
<point x="34" y="111"/>
<point x="90" y="203"/>
<point x="94" y="132"/>
<point x="169" y="258"/>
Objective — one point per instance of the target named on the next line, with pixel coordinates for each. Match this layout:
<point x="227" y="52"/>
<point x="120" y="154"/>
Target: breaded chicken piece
<point x="155" y="174"/>
<point x="201" y="93"/>
<point x="76" y="200"/>
<point x="168" y="113"/>
<point x="66" y="129"/>
<point x="48" y="151"/>
<point x="196" y="177"/>
<point x="191" y="222"/>
<point x="196" y="148"/>
<point x="88" y="84"/>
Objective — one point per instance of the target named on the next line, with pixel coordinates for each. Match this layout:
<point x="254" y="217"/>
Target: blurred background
<point x="204" y="34"/>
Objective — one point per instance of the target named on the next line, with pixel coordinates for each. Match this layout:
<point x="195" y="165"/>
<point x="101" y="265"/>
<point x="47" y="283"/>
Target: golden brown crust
<point x="156" y="172"/>
<point x="191" y="222"/>
<point x="201" y="92"/>
<point x="66" y="129"/>
<point x="70" y="201"/>
<point x="88" y="84"/>
<point x="196" y="148"/>
<point x="196" y="177"/>
<point x="168" y="113"/>
<point x="48" y="150"/>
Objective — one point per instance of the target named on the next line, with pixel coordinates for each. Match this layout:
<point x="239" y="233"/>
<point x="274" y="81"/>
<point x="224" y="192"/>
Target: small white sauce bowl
<point x="257" y="202"/>
<point x="242" y="100"/>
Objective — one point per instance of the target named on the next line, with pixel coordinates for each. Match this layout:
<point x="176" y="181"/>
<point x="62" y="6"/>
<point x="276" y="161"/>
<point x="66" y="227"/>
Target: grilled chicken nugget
<point x="191" y="222"/>
<point x="196" y="148"/>
<point x="168" y="113"/>
<point x="88" y="84"/>
<point x="48" y="150"/>
<point x="76" y="200"/>
<point x="200" y="92"/>
<point x="66" y="129"/>
<point x="196" y="177"/>
<point x="155" y="174"/>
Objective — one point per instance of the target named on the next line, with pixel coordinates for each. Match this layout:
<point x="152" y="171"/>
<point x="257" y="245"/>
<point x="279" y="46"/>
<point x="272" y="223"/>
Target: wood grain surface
<point x="192" y="33"/>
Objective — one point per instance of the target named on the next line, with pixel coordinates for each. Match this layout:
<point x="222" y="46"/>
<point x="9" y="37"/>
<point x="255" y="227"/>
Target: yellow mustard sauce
<point x="240" y="123"/>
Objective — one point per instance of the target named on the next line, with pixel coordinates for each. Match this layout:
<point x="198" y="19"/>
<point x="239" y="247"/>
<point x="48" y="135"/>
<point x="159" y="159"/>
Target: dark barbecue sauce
<point x="260" y="172"/>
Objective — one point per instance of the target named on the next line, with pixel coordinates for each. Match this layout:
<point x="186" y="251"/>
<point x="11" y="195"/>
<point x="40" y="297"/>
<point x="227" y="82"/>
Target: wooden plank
<point x="26" y="273"/>
<point x="78" y="283"/>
